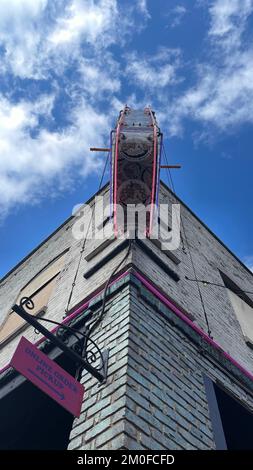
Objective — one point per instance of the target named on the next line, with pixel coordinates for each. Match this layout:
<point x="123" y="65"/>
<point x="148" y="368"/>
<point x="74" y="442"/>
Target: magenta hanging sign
<point x="33" y="364"/>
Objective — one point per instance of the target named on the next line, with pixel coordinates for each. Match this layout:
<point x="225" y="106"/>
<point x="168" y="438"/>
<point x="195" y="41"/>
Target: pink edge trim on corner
<point x="166" y="302"/>
<point x="189" y="322"/>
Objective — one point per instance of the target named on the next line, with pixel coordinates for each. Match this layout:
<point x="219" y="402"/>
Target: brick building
<point x="180" y="370"/>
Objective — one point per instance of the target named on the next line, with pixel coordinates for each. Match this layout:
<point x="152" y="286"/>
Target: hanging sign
<point x="33" y="364"/>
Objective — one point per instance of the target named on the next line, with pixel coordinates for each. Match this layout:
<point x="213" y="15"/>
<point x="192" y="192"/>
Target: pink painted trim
<point x="166" y="302"/>
<point x="183" y="317"/>
<point x="115" y="185"/>
<point x="154" y="172"/>
<point x="74" y="314"/>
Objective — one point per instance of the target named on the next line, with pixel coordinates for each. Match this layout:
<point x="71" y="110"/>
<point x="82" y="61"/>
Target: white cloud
<point x="223" y="94"/>
<point x="20" y="35"/>
<point x="222" y="97"/>
<point x="40" y="35"/>
<point x="228" y="19"/>
<point x="176" y="15"/>
<point x="154" y="72"/>
<point x="97" y="79"/>
<point x="33" y="163"/>
<point x="85" y="20"/>
<point x="142" y="5"/>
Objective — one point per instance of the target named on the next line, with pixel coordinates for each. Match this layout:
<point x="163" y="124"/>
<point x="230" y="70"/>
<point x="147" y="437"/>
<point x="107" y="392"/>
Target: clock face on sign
<point x="133" y="192"/>
<point x="129" y="170"/>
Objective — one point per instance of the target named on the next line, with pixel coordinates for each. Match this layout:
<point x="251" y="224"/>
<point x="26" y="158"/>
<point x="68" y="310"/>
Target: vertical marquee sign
<point x="135" y="165"/>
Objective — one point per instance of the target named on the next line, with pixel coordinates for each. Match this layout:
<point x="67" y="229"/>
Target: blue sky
<point x="68" y="66"/>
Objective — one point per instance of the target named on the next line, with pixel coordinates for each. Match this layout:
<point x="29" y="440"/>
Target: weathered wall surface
<point x="208" y="255"/>
<point x="56" y="244"/>
<point x="155" y="396"/>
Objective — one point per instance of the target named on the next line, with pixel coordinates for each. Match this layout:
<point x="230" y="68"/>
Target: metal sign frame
<point x="84" y="353"/>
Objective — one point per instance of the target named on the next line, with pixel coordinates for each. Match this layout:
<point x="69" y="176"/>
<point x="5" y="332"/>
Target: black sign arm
<point x="59" y="343"/>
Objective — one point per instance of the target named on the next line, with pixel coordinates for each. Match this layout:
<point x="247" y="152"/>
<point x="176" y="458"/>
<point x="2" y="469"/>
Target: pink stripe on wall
<point x="166" y="302"/>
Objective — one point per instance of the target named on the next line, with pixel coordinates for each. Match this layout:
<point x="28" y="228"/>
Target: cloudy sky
<point x="66" y="69"/>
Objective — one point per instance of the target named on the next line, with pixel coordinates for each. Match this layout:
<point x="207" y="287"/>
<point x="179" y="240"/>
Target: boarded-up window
<point x="244" y="314"/>
<point x="243" y="307"/>
<point x="39" y="289"/>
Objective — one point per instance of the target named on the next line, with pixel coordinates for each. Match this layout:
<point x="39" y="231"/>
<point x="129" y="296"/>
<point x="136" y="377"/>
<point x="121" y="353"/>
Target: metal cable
<point x="98" y="321"/>
<point x="171" y="184"/>
<point x="190" y="254"/>
<point x="84" y="242"/>
<point x="204" y="282"/>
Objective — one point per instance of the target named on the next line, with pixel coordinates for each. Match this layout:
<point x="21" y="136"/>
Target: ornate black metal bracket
<point x="84" y="352"/>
